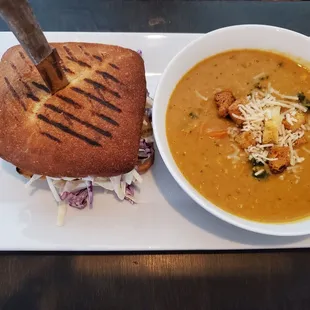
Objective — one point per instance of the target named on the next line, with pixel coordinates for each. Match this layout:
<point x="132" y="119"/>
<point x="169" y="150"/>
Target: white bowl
<point x="235" y="37"/>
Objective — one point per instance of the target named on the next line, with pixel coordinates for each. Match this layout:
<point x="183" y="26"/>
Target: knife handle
<point x="22" y="22"/>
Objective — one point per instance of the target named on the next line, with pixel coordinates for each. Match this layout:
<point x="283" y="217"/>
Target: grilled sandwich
<point x="88" y="131"/>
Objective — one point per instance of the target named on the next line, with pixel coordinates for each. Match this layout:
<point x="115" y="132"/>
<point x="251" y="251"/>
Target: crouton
<point x="271" y="129"/>
<point x="301" y="120"/>
<point x="282" y="153"/>
<point x="223" y="100"/>
<point x="301" y="141"/>
<point x="245" y="139"/>
<point x="234" y="110"/>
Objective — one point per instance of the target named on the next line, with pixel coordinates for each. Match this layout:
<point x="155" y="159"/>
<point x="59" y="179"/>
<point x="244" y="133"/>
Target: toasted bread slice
<point x="91" y="127"/>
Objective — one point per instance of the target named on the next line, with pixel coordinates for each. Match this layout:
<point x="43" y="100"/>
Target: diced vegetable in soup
<point x="237" y="126"/>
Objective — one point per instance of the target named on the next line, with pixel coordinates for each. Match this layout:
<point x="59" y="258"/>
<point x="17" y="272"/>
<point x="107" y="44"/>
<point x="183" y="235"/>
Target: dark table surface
<point x="205" y="280"/>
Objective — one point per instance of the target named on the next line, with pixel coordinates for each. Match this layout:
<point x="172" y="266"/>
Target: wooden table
<point x="223" y="280"/>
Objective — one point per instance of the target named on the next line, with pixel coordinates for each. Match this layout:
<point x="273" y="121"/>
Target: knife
<point x="20" y="19"/>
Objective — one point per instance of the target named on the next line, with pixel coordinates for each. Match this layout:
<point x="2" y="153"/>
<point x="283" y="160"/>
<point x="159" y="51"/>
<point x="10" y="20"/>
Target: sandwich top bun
<point x="91" y="127"/>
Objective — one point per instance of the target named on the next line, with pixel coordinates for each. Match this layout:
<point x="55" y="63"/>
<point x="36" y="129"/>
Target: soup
<point x="237" y="127"/>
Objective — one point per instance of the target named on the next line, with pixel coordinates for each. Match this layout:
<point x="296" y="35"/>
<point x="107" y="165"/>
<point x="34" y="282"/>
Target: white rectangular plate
<point x="165" y="218"/>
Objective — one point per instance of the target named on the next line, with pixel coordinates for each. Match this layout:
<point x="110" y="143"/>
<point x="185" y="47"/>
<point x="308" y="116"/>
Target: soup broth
<point x="206" y="154"/>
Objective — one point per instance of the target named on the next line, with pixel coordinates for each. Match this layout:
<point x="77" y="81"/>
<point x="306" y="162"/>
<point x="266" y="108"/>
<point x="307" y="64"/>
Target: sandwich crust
<point x="91" y="127"/>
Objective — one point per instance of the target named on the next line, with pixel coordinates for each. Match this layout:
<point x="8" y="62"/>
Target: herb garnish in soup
<point x="237" y="126"/>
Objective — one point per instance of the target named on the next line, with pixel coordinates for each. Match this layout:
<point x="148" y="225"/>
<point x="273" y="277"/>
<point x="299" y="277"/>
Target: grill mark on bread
<point x="15" y="94"/>
<point x="27" y="87"/>
<point x="99" y="100"/>
<point x="33" y="97"/>
<point x="97" y="57"/>
<point x="30" y="94"/>
<point x="102" y="87"/>
<point x="114" y="66"/>
<point x="41" y="87"/>
<point x="66" y="69"/>
<point x="13" y="66"/>
<point x="100" y="95"/>
<point x="108" y="76"/>
<point x="83" y="50"/>
<point x="68" y="119"/>
<point x="22" y="56"/>
<point x="72" y="58"/>
<point x="69" y="101"/>
<point x="16" y="71"/>
<point x="79" y="62"/>
<point x="107" y="119"/>
<point x="76" y="119"/>
<point x="68" y="51"/>
<point x="48" y="135"/>
<point x="68" y="130"/>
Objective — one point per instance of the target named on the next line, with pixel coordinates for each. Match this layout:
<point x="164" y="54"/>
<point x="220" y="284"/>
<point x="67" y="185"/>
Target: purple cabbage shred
<point x="79" y="199"/>
<point x="76" y="199"/>
<point x="146" y="149"/>
<point x="130" y="192"/>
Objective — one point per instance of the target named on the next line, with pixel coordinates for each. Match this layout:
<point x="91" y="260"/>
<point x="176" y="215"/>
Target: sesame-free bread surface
<point x="90" y="128"/>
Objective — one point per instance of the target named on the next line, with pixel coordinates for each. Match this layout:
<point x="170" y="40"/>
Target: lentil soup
<point x="237" y="127"/>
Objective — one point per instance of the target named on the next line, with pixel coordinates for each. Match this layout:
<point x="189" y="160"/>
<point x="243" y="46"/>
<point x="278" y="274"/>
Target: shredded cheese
<point x="232" y="132"/>
<point x="268" y="108"/>
<point x="259" y="172"/>
<point x="235" y="155"/>
<point x="281" y="95"/>
<point x="295" y="170"/>
<point x="259" y="76"/>
<point x="199" y="95"/>
<point x="306" y="150"/>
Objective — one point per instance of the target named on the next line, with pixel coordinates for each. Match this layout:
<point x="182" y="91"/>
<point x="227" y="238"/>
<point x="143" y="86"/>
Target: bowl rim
<point x="249" y="225"/>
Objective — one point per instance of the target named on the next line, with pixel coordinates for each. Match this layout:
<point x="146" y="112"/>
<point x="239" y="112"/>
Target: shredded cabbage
<point x="53" y="189"/>
<point x="62" y="210"/>
<point x="33" y="179"/>
<point x="78" y="192"/>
